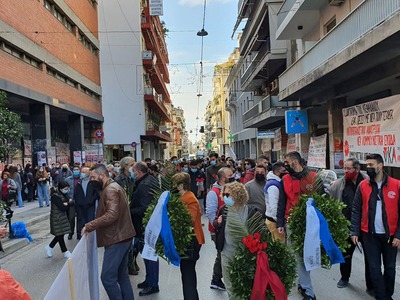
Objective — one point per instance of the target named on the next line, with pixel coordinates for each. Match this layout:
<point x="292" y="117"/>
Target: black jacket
<point x="142" y="197"/>
<point x="193" y="182"/>
<point x="87" y="200"/>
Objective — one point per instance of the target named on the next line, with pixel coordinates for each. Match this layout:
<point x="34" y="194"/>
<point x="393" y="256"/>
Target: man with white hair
<point x="125" y="177"/>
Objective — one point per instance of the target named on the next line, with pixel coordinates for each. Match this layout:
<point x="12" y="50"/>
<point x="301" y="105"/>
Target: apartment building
<point x="49" y="53"/>
<point x="136" y="102"/>
<point x="344" y="70"/>
<point x="252" y="84"/>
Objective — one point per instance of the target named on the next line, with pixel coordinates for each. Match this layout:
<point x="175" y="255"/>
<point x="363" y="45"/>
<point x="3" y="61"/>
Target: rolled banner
<point x="265" y="278"/>
<point x="312" y="242"/>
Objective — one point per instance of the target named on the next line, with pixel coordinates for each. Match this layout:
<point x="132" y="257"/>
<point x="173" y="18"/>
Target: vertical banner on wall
<point x="41" y="157"/>
<point x="317" y="151"/>
<point x="278" y="140"/>
<point x="291" y="143"/>
<point x="373" y="127"/>
<point x="27" y="148"/>
<point x="78" y="157"/>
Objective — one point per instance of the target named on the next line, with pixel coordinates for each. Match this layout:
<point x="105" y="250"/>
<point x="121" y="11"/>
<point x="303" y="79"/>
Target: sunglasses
<point x="226" y="194"/>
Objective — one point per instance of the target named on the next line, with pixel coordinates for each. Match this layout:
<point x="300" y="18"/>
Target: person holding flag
<point x="188" y="264"/>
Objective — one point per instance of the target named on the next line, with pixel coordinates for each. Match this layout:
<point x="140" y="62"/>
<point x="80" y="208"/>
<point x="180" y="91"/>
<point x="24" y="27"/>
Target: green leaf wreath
<point x="331" y="209"/>
<point x="242" y="266"/>
<point x="179" y="217"/>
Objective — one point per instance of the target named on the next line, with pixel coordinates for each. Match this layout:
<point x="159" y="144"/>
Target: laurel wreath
<point x="338" y="225"/>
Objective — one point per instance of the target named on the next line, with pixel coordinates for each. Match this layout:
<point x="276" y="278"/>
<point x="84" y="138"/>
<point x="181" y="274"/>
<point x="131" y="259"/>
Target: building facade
<point x="51" y="73"/>
<point x="136" y="102"/>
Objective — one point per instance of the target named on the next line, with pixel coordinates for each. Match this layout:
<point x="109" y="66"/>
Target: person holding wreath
<point x="188" y="264"/>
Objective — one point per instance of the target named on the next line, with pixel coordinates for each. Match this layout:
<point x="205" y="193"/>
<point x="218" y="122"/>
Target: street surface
<point x="36" y="272"/>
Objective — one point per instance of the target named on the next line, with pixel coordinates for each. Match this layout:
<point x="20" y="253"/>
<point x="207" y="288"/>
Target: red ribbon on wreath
<point x="265" y="277"/>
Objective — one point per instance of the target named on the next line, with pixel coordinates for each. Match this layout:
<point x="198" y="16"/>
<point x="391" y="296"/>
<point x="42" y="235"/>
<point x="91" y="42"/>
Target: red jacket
<point x="220" y="204"/>
<point x="390" y="198"/>
<point x="294" y="188"/>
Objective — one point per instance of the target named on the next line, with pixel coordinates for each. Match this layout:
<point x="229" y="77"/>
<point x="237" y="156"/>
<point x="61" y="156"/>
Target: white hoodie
<point x="272" y="197"/>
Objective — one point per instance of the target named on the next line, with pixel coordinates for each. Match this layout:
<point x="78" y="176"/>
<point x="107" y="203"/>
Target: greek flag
<point x="317" y="232"/>
<point x="159" y="225"/>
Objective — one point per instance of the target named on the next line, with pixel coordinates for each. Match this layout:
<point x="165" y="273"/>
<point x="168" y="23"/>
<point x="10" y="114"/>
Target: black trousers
<point x="83" y="216"/>
<point x="378" y="248"/>
<point x="217" y="269"/>
<point x="189" y="278"/>
<point x="345" y="268"/>
<point x="60" y="240"/>
<point x="71" y="218"/>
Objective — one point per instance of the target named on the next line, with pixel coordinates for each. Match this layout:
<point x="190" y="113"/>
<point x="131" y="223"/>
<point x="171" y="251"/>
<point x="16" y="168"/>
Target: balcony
<point x="257" y="28"/>
<point x="153" y="133"/>
<point x="268" y="63"/>
<point x="154" y="39"/>
<point x="155" y="102"/>
<point x="156" y="76"/>
<point x="267" y="111"/>
<point x="371" y="23"/>
<point x="295" y="13"/>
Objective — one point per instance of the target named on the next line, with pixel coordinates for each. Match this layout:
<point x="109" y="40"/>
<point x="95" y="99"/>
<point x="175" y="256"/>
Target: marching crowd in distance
<point x="122" y="193"/>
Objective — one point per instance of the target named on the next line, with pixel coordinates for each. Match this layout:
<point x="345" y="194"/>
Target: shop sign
<point x="296" y="121"/>
<point x="278" y="140"/>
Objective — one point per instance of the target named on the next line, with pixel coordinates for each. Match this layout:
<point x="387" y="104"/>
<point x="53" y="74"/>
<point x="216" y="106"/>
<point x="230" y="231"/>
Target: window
<point x="59" y="14"/>
<point x="48" y="6"/>
<point x="20" y="54"/>
<point x="329" y="26"/>
<point x="87" y="43"/>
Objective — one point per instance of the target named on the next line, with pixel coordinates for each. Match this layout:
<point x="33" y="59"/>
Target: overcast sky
<point x="184" y="18"/>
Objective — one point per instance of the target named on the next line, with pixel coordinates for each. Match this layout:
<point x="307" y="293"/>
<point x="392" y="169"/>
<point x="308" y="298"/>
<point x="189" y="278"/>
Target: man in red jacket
<point x="299" y="181"/>
<point x="375" y="218"/>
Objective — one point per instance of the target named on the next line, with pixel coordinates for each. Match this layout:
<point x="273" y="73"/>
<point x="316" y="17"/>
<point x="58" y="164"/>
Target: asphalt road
<point x="36" y="272"/>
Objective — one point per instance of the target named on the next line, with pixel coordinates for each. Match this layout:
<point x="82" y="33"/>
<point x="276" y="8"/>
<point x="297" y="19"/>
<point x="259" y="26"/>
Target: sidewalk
<point x="30" y="214"/>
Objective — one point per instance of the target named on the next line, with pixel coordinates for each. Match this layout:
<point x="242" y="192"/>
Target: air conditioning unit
<point x="336" y="2"/>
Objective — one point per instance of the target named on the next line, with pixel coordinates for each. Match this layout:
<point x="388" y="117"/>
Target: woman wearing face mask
<point x="59" y="223"/>
<point x="235" y="198"/>
<point x="249" y="165"/>
<point x="42" y="186"/>
<point x="188" y="265"/>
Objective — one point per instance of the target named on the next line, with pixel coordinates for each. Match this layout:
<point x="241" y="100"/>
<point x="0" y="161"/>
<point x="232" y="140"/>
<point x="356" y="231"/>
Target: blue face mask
<point x="228" y="201"/>
<point x="213" y="162"/>
<point x="131" y="172"/>
<point x="116" y="169"/>
<point x="83" y="175"/>
<point x="175" y="162"/>
<point x="248" y="167"/>
<point x="185" y="169"/>
<point x="193" y="170"/>
<point x="75" y="172"/>
<point x="65" y="191"/>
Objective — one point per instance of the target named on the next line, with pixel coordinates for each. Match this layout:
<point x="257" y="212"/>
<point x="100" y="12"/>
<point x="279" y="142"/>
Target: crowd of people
<point x="122" y="192"/>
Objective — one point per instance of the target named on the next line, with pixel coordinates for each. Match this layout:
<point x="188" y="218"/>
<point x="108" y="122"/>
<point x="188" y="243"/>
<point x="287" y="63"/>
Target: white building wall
<point x="121" y="72"/>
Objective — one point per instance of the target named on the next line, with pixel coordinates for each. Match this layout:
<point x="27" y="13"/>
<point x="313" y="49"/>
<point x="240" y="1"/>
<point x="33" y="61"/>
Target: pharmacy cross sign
<point x="230" y="137"/>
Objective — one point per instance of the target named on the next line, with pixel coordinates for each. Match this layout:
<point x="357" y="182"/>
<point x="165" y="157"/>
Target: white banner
<point x="278" y="140"/>
<point x="373" y="127"/>
<point x="291" y="143"/>
<point x="317" y="152"/>
<point x="82" y="268"/>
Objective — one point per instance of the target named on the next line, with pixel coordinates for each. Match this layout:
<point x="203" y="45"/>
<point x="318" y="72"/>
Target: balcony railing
<point x="359" y="22"/>
<point x="255" y="65"/>
<point x="264" y="105"/>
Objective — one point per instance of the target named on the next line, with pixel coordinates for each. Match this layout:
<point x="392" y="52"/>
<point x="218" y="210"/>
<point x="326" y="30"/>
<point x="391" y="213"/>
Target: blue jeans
<point x="43" y="193"/>
<point x="152" y="272"/>
<point x="114" y="274"/>
<point x="20" y="201"/>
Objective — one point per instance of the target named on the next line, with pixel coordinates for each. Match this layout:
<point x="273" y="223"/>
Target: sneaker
<point x="67" y="254"/>
<point x="342" y="283"/>
<point x="217" y="285"/>
<point x="149" y="291"/>
<point x="307" y="297"/>
<point x="70" y="236"/>
<point x="49" y="251"/>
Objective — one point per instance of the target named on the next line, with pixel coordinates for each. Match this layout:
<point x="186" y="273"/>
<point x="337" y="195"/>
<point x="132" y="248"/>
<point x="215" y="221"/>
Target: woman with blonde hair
<point x="188" y="265"/>
<point x="235" y="197"/>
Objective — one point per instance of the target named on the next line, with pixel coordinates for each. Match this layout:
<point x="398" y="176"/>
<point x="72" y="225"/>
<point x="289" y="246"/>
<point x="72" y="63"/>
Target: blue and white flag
<point x="317" y="231"/>
<point x="159" y="225"/>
